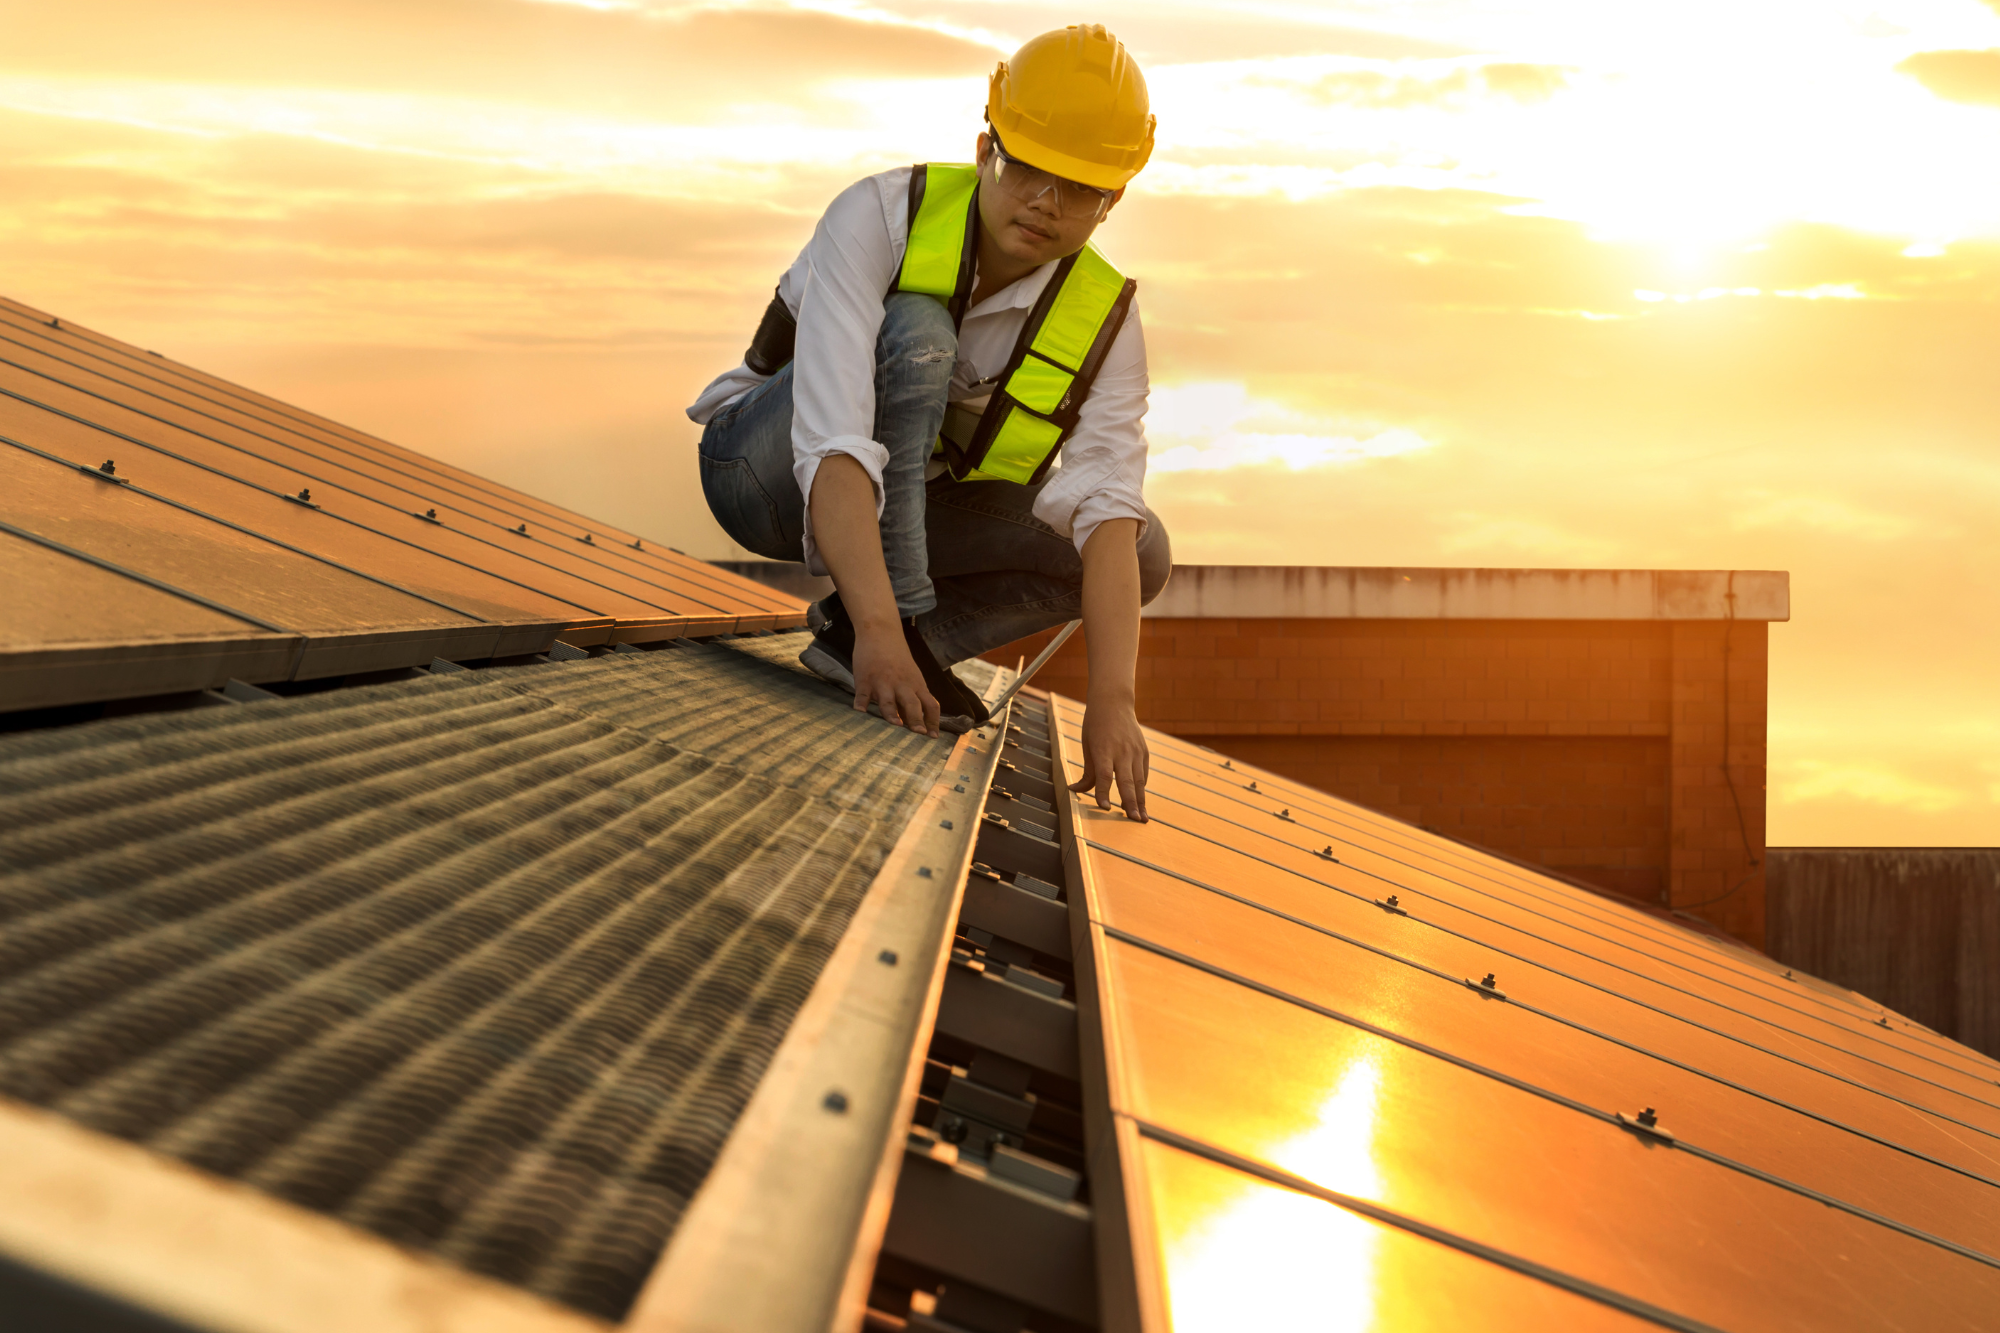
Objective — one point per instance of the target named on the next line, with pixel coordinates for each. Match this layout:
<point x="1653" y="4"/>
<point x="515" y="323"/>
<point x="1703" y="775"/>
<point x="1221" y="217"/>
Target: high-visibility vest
<point x="1035" y="406"/>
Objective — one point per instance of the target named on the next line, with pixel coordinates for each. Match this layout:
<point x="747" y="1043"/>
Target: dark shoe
<point x="959" y="709"/>
<point x="830" y="655"/>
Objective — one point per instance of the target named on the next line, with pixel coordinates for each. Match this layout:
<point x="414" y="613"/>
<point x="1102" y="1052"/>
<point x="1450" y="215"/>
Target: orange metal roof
<point x="1359" y="1076"/>
<point x="238" y="536"/>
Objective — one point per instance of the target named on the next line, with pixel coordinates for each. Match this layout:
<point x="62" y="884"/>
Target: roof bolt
<point x="636" y="546"/>
<point x="1394" y="901"/>
<point x="1285" y="814"/>
<point x="1883" y="1022"/>
<point x="944" y="823"/>
<point x="1788" y="974"/>
<point x="1649" y="1117"/>
<point x="887" y="958"/>
<point x="523" y="529"/>
<point x="923" y="872"/>
<point x="587" y="540"/>
<point x="835" y="1101"/>
<point x="1253" y="786"/>
<point x="431" y="514"/>
<point x="1488" y="983"/>
<point x="305" y="496"/>
<point x="109" y="469"/>
<point x="1227" y="764"/>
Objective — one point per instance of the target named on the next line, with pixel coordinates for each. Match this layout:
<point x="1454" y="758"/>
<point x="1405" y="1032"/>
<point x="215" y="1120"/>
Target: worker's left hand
<point x="1114" y="749"/>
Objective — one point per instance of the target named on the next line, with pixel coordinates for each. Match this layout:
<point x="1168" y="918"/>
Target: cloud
<point x="1405" y="85"/>
<point x="1957" y="76"/>
<point x="610" y="60"/>
<point x="1210" y="427"/>
<point x="1805" y="781"/>
<point x="1767" y="510"/>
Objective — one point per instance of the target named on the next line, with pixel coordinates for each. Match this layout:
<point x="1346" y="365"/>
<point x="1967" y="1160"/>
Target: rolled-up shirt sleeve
<point x="1102" y="471"/>
<point x="847" y="268"/>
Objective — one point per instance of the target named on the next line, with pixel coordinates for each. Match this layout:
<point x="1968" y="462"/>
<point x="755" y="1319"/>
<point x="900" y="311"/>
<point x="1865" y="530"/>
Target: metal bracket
<point x="105" y="471"/>
<point x="1486" y="988"/>
<point x="1647" y="1122"/>
<point x="1391" y="905"/>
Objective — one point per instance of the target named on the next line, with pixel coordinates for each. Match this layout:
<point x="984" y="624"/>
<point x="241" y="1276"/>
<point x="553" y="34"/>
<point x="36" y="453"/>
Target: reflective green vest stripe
<point x="935" y="262"/>
<point x="1080" y="309"/>
<point x="1062" y="341"/>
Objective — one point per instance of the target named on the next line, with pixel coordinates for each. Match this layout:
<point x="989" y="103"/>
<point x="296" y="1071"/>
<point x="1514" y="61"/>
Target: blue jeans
<point x="968" y="559"/>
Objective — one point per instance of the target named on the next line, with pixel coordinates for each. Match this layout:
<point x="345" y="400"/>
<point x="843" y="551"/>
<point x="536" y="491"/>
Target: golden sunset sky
<point x="1427" y="282"/>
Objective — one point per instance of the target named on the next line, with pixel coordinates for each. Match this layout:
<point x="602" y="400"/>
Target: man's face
<point x="1032" y="231"/>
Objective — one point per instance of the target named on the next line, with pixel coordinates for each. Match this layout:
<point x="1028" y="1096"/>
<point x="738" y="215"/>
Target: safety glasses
<point x="1073" y="201"/>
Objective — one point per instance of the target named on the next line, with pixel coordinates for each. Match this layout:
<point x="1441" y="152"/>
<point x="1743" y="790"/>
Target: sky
<point x="1698" y="285"/>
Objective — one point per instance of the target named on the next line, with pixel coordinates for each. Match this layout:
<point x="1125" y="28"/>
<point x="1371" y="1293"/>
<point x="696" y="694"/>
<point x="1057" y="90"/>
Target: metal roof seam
<point x="85" y="556"/>
<point x="1776" y="999"/>
<point x="1390" y="1217"/>
<point x="1605" y="990"/>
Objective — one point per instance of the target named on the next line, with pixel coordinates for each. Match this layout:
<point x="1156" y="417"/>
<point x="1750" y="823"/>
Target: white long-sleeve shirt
<point x="835" y="290"/>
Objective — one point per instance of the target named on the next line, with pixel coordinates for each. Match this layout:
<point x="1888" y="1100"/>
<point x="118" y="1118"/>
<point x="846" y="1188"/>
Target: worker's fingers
<point x="933" y="710"/>
<point x="1089" y="778"/>
<point x="1132" y="788"/>
<point x="919" y="708"/>
<point x="1105" y="775"/>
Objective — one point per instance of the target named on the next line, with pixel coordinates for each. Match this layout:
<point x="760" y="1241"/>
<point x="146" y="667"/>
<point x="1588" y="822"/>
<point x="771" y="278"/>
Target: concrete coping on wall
<point x="1341" y="592"/>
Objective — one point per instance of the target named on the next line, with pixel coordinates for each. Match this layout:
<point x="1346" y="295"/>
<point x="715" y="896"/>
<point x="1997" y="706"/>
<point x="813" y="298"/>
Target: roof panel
<point x="247" y="574"/>
<point x="376" y="519"/>
<point x="1353" y="1112"/>
<point x="1415" y="987"/>
<point x="106" y="405"/>
<point x="1265" y="1006"/>
<point x="48" y="598"/>
<point x="486" y="962"/>
<point x="162" y="389"/>
<point x="1521" y="926"/>
<point x="351" y="545"/>
<point x="1242" y="1253"/>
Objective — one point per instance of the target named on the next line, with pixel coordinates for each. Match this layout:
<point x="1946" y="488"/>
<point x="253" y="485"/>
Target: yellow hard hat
<point x="1074" y="103"/>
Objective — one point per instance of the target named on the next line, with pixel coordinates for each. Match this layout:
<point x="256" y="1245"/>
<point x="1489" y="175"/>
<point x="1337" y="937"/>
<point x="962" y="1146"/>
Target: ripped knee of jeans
<point x="931" y="356"/>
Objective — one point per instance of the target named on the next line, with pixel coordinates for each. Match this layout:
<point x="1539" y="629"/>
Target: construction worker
<point x="896" y="422"/>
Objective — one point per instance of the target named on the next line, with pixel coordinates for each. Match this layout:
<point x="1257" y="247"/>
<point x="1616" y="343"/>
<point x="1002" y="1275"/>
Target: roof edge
<point x="1346" y="592"/>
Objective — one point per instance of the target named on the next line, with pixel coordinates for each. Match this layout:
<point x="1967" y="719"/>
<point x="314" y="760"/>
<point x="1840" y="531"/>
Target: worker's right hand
<point x="887" y="676"/>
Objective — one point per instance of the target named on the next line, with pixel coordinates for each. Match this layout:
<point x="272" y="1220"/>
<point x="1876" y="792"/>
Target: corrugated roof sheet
<point x="1362" y="1076"/>
<point x="486" y="962"/>
<point x="173" y="530"/>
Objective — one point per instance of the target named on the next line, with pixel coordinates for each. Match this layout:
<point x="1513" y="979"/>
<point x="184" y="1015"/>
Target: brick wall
<point x="1593" y="747"/>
